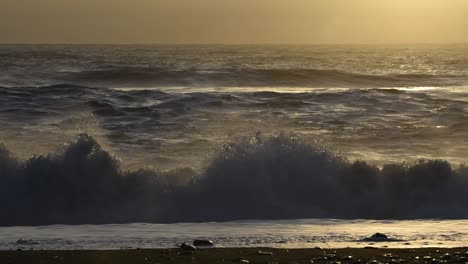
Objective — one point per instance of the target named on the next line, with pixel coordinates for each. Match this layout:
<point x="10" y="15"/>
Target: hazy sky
<point x="233" y="21"/>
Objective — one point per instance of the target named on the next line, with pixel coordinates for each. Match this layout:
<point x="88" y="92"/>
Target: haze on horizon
<point x="234" y="21"/>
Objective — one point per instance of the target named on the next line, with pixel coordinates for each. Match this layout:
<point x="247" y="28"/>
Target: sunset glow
<point x="226" y="21"/>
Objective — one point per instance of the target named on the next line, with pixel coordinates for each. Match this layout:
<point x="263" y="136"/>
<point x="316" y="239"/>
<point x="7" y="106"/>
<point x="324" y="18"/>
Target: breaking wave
<point x="161" y="77"/>
<point x="275" y="177"/>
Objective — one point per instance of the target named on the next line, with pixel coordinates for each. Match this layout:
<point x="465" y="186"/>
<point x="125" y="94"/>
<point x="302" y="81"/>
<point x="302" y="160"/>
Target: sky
<point x="233" y="21"/>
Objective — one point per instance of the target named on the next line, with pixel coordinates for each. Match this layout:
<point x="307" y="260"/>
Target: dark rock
<point x="203" y="243"/>
<point x="379" y="237"/>
<point x="187" y="247"/>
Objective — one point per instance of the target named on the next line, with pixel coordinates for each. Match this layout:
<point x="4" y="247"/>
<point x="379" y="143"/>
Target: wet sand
<point x="241" y="255"/>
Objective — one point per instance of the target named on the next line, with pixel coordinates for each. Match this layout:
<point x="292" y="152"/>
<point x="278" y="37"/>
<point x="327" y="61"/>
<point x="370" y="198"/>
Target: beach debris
<point x="446" y="256"/>
<point x="347" y="258"/>
<point x="390" y="256"/>
<point x="203" y="243"/>
<point x="322" y="258"/>
<point x="265" y="253"/>
<point x="243" y="261"/>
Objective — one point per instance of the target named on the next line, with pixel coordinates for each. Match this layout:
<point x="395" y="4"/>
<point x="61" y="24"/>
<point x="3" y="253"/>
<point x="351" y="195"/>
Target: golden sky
<point x="233" y="21"/>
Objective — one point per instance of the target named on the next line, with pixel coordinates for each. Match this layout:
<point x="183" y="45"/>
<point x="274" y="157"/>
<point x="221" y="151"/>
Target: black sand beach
<point x="242" y="255"/>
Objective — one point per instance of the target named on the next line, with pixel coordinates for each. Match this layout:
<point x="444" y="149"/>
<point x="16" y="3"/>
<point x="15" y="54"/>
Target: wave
<point x="276" y="177"/>
<point x="161" y="77"/>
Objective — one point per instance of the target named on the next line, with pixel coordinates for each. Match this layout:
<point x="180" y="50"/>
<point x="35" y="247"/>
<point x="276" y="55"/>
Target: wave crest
<point x="161" y="77"/>
<point x="276" y="177"/>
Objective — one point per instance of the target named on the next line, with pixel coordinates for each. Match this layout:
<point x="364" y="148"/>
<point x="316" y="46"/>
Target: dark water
<point x="233" y="66"/>
<point x="197" y="133"/>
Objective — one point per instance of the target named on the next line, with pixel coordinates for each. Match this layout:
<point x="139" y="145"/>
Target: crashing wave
<point x="276" y="177"/>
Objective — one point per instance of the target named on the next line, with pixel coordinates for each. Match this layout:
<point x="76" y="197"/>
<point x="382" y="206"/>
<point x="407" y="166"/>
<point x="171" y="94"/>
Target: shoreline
<point x="241" y="255"/>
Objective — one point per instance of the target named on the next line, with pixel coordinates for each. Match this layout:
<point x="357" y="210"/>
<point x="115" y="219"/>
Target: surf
<point x="278" y="177"/>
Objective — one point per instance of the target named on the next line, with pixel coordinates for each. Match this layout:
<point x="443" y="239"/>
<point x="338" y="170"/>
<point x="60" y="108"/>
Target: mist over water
<point x="119" y="134"/>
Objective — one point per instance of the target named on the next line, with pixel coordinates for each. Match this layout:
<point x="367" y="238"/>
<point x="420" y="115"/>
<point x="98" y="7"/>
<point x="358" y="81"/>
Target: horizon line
<point x="231" y="44"/>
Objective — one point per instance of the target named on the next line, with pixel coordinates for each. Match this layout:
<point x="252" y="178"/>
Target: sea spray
<point x="264" y="177"/>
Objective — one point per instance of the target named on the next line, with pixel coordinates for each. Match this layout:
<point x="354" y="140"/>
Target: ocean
<point x="111" y="135"/>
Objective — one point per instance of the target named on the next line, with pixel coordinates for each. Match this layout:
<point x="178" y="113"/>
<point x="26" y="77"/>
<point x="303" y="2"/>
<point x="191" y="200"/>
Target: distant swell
<point x="276" y="177"/>
<point x="147" y="76"/>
